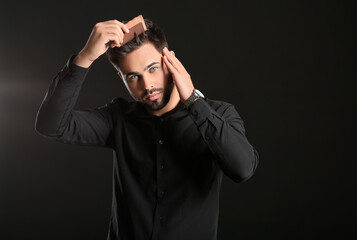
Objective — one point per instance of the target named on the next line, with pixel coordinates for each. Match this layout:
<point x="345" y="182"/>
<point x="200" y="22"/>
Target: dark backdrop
<point x="289" y="67"/>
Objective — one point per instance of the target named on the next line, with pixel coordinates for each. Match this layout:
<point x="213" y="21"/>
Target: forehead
<point x="138" y="59"/>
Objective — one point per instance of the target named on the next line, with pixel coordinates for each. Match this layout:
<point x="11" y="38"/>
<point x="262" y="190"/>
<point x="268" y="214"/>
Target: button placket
<point x="160" y="141"/>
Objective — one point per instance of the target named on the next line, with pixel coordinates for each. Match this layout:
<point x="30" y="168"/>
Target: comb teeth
<point x="136" y="25"/>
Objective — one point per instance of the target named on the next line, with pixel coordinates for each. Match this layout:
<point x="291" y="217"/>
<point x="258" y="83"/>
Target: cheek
<point x="161" y="73"/>
<point x="158" y="78"/>
<point x="133" y="90"/>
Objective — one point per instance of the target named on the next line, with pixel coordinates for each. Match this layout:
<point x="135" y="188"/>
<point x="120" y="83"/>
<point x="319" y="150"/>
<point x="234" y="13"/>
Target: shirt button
<point x="162" y="166"/>
<point x="161" y="142"/>
<point x="162" y="194"/>
<point x="161" y="218"/>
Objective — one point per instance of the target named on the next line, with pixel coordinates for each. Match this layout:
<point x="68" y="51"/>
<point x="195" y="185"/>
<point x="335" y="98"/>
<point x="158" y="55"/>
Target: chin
<point x="160" y="103"/>
<point x="156" y="105"/>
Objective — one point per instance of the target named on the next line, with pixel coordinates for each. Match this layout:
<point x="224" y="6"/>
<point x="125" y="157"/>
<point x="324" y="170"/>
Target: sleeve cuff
<point x="75" y="69"/>
<point x="72" y="72"/>
<point x="200" y="111"/>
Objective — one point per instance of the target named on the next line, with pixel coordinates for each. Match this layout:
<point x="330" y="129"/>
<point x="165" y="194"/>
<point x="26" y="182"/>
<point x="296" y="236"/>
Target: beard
<point x="158" y="104"/>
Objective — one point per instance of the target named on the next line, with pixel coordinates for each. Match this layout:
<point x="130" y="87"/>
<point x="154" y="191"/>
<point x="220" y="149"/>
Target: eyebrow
<point x="131" y="73"/>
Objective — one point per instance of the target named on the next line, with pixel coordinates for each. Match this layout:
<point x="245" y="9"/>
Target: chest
<point x="175" y="136"/>
<point x="171" y="148"/>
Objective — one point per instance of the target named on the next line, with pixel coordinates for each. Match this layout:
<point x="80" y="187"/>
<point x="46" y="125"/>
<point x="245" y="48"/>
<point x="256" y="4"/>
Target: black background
<point x="289" y="67"/>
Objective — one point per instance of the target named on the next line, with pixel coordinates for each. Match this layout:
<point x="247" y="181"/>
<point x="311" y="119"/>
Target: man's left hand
<point x="179" y="74"/>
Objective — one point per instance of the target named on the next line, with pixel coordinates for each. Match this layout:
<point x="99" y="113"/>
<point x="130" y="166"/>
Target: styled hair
<point x="154" y="34"/>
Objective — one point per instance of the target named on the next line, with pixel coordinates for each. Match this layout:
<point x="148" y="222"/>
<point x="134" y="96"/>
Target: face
<point x="146" y="77"/>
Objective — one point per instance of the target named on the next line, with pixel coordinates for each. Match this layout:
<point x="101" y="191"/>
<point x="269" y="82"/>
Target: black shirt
<point x="167" y="170"/>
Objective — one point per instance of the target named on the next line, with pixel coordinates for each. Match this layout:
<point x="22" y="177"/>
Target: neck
<point x="173" y="102"/>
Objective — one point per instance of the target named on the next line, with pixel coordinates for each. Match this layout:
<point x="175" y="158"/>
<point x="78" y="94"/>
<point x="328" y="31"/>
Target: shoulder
<point x="120" y="105"/>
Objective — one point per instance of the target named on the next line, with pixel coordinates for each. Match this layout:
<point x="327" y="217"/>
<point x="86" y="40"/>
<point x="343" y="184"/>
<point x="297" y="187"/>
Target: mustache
<point x="151" y="91"/>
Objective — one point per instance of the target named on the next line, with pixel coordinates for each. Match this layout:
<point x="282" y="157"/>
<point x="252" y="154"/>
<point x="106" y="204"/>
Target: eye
<point x="133" y="77"/>
<point x="153" y="69"/>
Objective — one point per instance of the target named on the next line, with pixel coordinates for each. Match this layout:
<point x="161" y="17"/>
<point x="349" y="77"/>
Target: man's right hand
<point x="104" y="35"/>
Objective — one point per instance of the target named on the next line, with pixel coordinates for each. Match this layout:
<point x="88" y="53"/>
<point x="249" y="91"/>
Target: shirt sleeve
<point x="223" y="131"/>
<point x="56" y="118"/>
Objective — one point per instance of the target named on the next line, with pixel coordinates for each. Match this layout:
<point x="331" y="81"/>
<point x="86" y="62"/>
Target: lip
<point x="152" y="97"/>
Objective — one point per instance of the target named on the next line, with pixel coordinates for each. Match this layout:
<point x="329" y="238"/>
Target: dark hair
<point x="154" y="34"/>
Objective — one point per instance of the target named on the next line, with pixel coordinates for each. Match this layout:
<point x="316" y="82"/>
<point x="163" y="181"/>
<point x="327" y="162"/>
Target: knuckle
<point x="100" y="34"/>
<point x="118" y="22"/>
<point x="97" y="26"/>
<point x="120" y="30"/>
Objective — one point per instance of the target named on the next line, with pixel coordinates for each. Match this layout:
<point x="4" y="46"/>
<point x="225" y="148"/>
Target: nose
<point x="147" y="81"/>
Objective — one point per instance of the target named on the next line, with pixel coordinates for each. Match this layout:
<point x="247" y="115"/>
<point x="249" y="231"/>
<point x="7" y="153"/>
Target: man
<point x="171" y="145"/>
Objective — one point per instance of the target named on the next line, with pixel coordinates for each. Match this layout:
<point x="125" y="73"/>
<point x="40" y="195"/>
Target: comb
<point x="136" y="25"/>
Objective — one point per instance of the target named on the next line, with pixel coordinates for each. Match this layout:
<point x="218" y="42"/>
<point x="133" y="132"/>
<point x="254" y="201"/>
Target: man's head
<point x="140" y="65"/>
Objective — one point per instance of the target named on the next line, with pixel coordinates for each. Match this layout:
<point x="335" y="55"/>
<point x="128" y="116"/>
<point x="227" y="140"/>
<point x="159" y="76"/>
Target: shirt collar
<point x="139" y="111"/>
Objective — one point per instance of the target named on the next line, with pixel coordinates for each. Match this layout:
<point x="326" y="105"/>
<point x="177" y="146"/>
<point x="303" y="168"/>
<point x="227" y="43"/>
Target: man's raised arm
<point x="56" y="118"/>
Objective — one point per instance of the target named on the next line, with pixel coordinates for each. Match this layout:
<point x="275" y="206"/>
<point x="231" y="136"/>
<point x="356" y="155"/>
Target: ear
<point x="120" y="75"/>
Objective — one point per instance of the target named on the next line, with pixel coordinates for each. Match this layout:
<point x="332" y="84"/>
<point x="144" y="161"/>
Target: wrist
<point x="82" y="60"/>
<point x="187" y="94"/>
<point x="196" y="94"/>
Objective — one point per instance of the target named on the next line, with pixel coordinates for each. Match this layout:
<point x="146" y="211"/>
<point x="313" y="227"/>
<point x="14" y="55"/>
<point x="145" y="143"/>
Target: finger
<point x="115" y="30"/>
<point x="171" y="59"/>
<point x="113" y="40"/>
<point x="178" y="61"/>
<point x="117" y="24"/>
<point x="121" y="25"/>
<point x="114" y="33"/>
<point x="115" y="27"/>
<point x="171" y="68"/>
<point x="175" y="62"/>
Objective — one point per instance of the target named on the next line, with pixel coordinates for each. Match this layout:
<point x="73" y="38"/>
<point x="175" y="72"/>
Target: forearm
<point x="224" y="133"/>
<point x="55" y="110"/>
